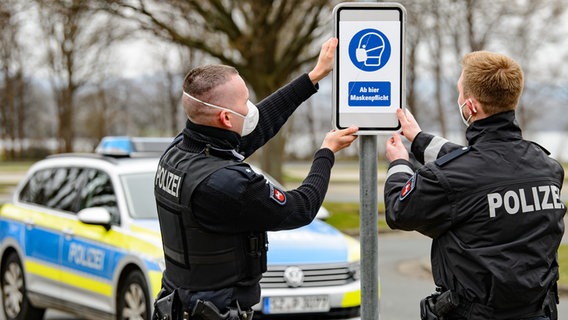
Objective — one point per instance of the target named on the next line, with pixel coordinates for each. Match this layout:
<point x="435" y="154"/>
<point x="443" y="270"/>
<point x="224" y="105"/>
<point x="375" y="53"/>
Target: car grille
<point x="320" y="275"/>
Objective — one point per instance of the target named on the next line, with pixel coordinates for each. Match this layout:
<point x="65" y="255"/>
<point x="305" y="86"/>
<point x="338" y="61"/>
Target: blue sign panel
<point x="369" y="94"/>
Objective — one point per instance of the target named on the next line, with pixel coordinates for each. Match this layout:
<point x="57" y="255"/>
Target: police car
<point x="81" y="235"/>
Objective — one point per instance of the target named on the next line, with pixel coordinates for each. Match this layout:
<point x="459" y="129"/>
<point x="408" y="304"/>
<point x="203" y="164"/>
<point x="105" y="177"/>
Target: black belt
<point x="467" y="310"/>
<point x="168" y="307"/>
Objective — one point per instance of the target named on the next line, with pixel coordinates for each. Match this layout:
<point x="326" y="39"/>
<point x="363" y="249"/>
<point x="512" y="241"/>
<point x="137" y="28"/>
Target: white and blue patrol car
<point x="81" y="235"/>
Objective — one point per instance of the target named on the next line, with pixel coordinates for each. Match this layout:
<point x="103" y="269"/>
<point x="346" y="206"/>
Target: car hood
<point x="317" y="242"/>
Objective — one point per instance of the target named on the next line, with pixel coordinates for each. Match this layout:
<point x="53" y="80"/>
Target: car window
<point x="71" y="190"/>
<point x="98" y="192"/>
<point x="33" y="190"/>
<point x="139" y="193"/>
<point x="55" y="188"/>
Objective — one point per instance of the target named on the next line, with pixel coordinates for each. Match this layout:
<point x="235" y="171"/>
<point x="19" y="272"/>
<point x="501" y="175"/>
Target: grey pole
<point x="369" y="236"/>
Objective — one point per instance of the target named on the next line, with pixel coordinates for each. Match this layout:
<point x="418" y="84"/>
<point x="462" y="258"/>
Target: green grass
<point x="11" y="166"/>
<point x="7" y="167"/>
<point x="345" y="216"/>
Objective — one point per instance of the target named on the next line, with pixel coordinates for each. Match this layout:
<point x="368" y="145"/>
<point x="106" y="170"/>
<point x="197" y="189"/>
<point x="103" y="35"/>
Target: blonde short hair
<point x="495" y="80"/>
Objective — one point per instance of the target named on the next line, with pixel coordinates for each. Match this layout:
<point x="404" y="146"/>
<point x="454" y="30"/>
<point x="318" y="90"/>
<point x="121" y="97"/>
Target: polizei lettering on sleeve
<point x="168" y="181"/>
<point x="524" y="200"/>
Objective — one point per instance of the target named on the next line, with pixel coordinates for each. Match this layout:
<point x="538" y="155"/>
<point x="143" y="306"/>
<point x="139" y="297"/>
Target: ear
<point x="224" y="119"/>
<point x="471" y="106"/>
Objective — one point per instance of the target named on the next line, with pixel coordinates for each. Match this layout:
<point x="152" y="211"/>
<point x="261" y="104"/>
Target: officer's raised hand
<point x="325" y="61"/>
<point x="408" y="124"/>
<point x="395" y="149"/>
<point x="336" y="140"/>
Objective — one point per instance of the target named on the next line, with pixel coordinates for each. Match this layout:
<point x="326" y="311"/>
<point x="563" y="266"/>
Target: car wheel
<point x="133" y="298"/>
<point x="14" y="295"/>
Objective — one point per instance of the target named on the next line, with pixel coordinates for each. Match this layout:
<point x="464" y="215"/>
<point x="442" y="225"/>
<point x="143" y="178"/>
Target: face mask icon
<point x="370" y="49"/>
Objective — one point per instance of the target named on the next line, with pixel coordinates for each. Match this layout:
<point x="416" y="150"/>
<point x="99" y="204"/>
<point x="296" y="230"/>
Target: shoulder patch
<point x="440" y="162"/>
<point x="408" y="187"/>
<point x="277" y="195"/>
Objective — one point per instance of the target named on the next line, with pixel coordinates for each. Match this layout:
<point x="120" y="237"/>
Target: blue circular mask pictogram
<point x="369" y="50"/>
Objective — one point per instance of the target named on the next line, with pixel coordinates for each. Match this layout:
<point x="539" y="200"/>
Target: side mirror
<point x="95" y="216"/>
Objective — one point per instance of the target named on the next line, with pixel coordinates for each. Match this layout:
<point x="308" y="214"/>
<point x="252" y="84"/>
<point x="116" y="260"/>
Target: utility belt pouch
<point x="551" y="302"/>
<point x="167" y="307"/>
<point x="206" y="310"/>
<point x="427" y="306"/>
<point x="446" y="302"/>
<point x="437" y="305"/>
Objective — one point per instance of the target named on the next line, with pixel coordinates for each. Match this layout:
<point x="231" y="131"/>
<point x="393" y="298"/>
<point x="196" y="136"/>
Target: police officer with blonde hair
<point x="492" y="208"/>
<point x="214" y="221"/>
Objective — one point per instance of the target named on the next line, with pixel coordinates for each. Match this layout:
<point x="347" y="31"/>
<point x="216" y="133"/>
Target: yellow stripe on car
<point x="89" y="284"/>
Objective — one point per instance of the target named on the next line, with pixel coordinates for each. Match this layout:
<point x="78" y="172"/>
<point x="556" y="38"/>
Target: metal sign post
<point x="369" y="235"/>
<point x="368" y="88"/>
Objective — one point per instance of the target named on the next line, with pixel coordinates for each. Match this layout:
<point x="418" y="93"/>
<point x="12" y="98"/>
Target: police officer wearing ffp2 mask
<point x="492" y="208"/>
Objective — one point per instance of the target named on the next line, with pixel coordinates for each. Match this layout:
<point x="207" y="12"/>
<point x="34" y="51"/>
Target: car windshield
<point x="139" y="192"/>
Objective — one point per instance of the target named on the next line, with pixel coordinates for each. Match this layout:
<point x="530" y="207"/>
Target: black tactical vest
<point x="195" y="258"/>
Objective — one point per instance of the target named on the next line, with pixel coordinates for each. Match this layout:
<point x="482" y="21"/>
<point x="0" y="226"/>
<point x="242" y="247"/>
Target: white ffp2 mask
<point x="460" y="109"/>
<point x="250" y="119"/>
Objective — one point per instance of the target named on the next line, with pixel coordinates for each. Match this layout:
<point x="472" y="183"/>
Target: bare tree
<point x="174" y="67"/>
<point x="535" y="28"/>
<point x="75" y="39"/>
<point x="267" y="41"/>
<point x="452" y="28"/>
<point x="13" y="82"/>
<point x="437" y="50"/>
<point x="414" y="36"/>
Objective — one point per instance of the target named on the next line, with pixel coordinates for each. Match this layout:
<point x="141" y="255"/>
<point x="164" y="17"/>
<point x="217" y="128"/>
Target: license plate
<point x="297" y="304"/>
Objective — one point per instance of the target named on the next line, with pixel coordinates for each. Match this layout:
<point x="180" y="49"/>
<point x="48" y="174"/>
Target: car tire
<point x="133" y="299"/>
<point x="15" y="301"/>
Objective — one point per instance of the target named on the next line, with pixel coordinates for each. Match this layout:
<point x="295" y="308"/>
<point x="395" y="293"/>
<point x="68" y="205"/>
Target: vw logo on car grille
<point x="294" y="277"/>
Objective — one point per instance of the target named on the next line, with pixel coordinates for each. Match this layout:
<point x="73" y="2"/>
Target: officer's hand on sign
<point x="325" y="61"/>
<point x="408" y="124"/>
<point x="336" y="140"/>
<point x="395" y="149"/>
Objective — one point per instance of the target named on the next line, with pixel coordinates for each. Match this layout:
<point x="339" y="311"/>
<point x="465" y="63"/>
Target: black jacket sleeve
<point x="275" y="110"/>
<point x="235" y="199"/>
<point x="427" y="147"/>
<point x="405" y="193"/>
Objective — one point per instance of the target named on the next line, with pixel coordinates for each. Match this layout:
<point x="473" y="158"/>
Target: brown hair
<point x="495" y="80"/>
<point x="200" y="82"/>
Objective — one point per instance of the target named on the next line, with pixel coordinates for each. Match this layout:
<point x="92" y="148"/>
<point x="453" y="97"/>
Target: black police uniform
<point x="494" y="212"/>
<point x="214" y="210"/>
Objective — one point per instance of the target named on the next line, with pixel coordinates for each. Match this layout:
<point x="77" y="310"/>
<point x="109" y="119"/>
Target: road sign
<point x="369" y="73"/>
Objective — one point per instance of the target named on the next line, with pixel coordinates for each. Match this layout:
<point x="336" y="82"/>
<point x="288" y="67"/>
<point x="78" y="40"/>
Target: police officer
<point x="492" y="208"/>
<point x="214" y="210"/>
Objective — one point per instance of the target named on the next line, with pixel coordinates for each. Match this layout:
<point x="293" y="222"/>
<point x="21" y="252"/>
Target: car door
<point x="87" y="253"/>
<point x="51" y="194"/>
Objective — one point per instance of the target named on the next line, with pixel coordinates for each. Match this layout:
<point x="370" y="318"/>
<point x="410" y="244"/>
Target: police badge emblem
<point x="277" y="195"/>
<point x="408" y="187"/>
